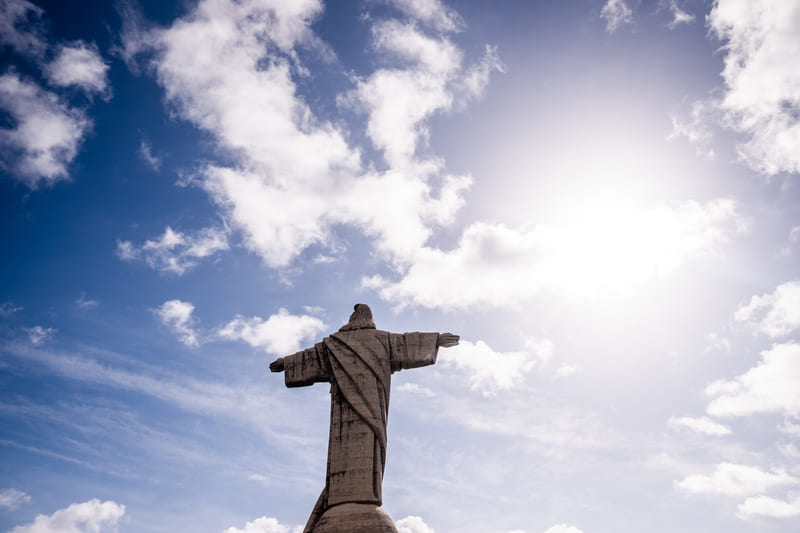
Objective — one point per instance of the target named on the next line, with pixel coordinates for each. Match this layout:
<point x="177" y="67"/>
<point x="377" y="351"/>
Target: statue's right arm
<point x="277" y="365"/>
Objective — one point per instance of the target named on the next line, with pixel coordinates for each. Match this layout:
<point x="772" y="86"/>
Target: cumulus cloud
<point x="46" y="134"/>
<point x="563" y="528"/>
<point x="177" y="315"/>
<point x="176" y="252"/>
<point x="767" y="506"/>
<point x="280" y="334"/>
<point x="605" y="249"/>
<point x="616" y="13"/>
<point x="228" y="68"/>
<point x="735" y="480"/>
<point x="93" y="516"/>
<point x="699" y="424"/>
<point x="771" y="386"/>
<point x="413" y="524"/>
<point x="47" y="131"/>
<point x="264" y="525"/>
<point x="11" y="499"/>
<point x="761" y="99"/>
<point x="776" y="314"/>
<point x="39" y="335"/>
<point x="489" y="371"/>
<point x="78" y="64"/>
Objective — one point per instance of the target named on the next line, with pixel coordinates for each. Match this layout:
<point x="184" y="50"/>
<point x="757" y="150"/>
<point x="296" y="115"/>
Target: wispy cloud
<point x="11" y="499"/>
<point x="699" y="424"/>
<point x="176" y="252"/>
<point x="86" y="303"/>
<point x="39" y="335"/>
<point x="146" y="153"/>
<point x="679" y="16"/>
<point x="616" y="13"/>
<point x="8" y="308"/>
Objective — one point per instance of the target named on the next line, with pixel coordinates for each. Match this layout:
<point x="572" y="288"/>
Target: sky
<point x="601" y="197"/>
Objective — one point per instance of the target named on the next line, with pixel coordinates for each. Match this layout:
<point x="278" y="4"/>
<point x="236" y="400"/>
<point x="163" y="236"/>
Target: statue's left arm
<point x="413" y="350"/>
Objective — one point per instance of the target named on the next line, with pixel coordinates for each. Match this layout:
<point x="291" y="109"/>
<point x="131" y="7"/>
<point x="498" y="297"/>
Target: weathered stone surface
<point x="358" y="361"/>
<point x="355" y="518"/>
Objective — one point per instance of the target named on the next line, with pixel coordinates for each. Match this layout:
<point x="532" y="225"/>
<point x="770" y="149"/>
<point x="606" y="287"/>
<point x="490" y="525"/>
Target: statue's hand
<point x="447" y="340"/>
<point x="277" y="365"/>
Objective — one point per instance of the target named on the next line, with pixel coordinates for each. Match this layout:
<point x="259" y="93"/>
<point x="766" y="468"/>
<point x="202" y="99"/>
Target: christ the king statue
<point x="358" y="361"/>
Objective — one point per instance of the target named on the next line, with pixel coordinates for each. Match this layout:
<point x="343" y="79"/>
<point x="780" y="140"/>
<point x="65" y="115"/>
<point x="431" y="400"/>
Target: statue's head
<point x="360" y="319"/>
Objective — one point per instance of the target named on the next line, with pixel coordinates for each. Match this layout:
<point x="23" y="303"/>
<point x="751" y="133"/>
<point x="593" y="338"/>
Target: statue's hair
<point x="360" y="319"/>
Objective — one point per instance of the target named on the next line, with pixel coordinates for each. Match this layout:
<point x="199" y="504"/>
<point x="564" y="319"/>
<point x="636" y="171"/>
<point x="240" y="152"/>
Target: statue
<point x="358" y="361"/>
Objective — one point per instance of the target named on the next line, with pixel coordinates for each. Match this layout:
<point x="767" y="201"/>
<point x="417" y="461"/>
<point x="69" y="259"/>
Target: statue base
<point x="355" y="518"/>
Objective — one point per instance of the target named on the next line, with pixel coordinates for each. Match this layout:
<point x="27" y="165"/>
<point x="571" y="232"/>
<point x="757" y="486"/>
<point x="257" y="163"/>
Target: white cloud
<point x="616" y="13"/>
<point x="264" y="525"/>
<point x="771" y="386"/>
<point x="85" y="303"/>
<point x="679" y="16"/>
<point x="767" y="506"/>
<point x="47" y="133"/>
<point x="78" y="64"/>
<point x="566" y="370"/>
<point x="735" y="480"/>
<point x="281" y="334"/>
<point x="177" y="315"/>
<point x="17" y="31"/>
<point x="489" y="371"/>
<point x="563" y="528"/>
<point x="8" y="308"/>
<point x="699" y="424"/>
<point x="11" y="499"/>
<point x="776" y="314"/>
<point x="413" y="524"/>
<point x="695" y="125"/>
<point x="39" y="335"/>
<point x="607" y="249"/>
<point x="176" y="252"/>
<point x="432" y="12"/>
<point x="93" y="516"/>
<point x="228" y="68"/>
<point x="761" y="98"/>
<point x="415" y="388"/>
<point x="146" y="153"/>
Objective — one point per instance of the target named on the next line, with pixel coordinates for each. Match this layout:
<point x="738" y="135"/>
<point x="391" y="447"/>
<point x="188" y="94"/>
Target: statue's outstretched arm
<point x="447" y="340"/>
<point x="277" y="365"/>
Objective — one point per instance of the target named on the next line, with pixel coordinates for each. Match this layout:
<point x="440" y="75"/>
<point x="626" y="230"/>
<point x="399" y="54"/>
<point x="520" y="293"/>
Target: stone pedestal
<point x="355" y="518"/>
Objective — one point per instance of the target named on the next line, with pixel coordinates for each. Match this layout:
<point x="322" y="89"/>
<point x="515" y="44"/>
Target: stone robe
<point x="358" y="364"/>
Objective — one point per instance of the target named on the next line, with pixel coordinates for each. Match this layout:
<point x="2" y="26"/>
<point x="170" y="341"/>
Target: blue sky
<point x="600" y="197"/>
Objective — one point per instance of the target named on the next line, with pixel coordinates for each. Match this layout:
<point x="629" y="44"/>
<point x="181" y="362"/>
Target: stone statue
<point x="358" y="361"/>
